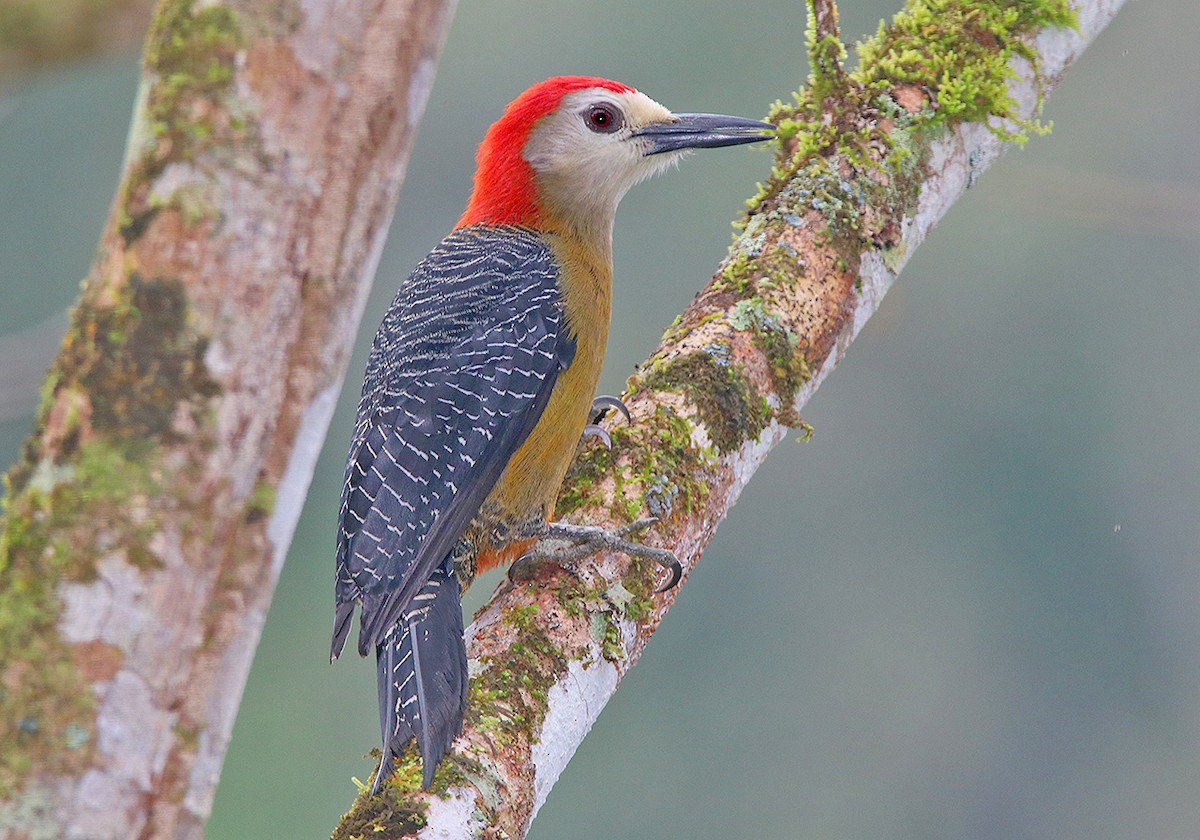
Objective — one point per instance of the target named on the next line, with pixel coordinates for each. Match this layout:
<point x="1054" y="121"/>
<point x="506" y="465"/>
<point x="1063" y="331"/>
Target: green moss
<point x="82" y="491"/>
<point x="826" y="53"/>
<point x="612" y="648"/>
<point x="508" y="698"/>
<point x="261" y="502"/>
<point x="850" y="151"/>
<point x="390" y="814"/>
<point x="736" y="275"/>
<point x="956" y="51"/>
<point x="679" y="329"/>
<point x="190" y="107"/>
<point x="192" y="51"/>
<point x="669" y="468"/>
<point x="55" y="528"/>
<point x="587" y="471"/>
<point x="399" y="810"/>
<point x="729" y="409"/>
<point x="655" y="468"/>
<point x="961" y="50"/>
<point x="641" y="581"/>
<point x="42" y="694"/>
<point x="112" y="476"/>
<point x="605" y="607"/>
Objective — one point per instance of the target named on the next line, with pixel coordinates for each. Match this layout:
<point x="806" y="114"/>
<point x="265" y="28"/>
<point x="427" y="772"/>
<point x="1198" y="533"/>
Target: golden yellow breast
<point x="530" y="483"/>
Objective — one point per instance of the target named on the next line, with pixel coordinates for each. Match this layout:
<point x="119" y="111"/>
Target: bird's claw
<point x="592" y="430"/>
<point x="603" y="402"/>
<point x="588" y="539"/>
<point x="600" y="405"/>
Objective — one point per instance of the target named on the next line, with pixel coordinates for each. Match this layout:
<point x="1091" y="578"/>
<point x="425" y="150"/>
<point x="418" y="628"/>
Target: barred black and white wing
<point x="459" y="374"/>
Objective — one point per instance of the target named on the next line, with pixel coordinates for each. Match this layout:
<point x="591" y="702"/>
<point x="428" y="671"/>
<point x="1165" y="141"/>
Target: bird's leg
<point x="583" y="540"/>
<point x="600" y="405"/>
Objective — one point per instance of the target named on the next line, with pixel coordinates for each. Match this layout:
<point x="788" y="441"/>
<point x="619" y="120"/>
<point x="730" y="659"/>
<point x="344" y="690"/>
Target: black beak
<point x="702" y="131"/>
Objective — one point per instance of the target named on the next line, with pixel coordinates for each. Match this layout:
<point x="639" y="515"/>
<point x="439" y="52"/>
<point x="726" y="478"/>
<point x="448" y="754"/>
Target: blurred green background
<point x="968" y="608"/>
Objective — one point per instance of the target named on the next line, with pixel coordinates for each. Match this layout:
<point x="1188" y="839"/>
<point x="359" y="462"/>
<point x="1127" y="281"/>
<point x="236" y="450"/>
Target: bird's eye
<point x="604" y="119"/>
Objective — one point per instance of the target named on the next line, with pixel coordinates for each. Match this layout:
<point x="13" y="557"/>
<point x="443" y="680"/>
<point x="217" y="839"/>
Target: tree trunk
<point x="148" y="517"/>
<point x="869" y="162"/>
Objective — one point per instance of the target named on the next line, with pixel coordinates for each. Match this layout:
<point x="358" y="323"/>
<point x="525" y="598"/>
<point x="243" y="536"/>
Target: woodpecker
<point x="480" y="383"/>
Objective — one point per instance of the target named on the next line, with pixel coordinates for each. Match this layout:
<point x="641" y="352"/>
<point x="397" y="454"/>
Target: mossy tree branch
<point x="868" y="162"/>
<point x="146" y="522"/>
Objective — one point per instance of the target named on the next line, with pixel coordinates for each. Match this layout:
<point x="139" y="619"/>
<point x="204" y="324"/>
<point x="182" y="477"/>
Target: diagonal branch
<point x="869" y="162"/>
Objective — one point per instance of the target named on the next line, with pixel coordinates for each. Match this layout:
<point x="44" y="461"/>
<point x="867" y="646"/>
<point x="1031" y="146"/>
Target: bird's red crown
<point x="505" y="193"/>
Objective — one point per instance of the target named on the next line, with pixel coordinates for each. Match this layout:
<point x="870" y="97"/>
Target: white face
<point x="586" y="154"/>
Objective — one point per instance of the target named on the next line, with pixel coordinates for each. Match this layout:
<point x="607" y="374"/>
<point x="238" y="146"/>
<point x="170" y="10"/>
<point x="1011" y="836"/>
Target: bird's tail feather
<point x="422" y="668"/>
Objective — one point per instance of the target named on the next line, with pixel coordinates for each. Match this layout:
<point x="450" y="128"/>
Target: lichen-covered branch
<point x="868" y="162"/>
<point x="146" y="522"/>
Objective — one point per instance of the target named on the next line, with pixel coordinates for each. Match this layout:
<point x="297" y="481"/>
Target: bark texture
<point x="868" y="163"/>
<point x="146" y="523"/>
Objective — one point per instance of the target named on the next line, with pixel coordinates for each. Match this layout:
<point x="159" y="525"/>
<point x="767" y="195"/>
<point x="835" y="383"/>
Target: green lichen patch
<point x="786" y="364"/>
<point x="727" y="405"/>
<point x="839" y="200"/>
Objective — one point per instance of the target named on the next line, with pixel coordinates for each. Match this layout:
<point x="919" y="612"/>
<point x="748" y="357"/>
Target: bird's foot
<point x="582" y="540"/>
<point x="599" y="406"/>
